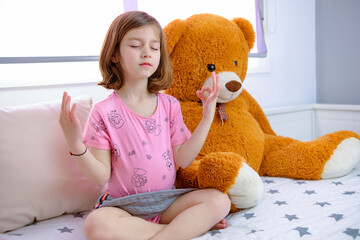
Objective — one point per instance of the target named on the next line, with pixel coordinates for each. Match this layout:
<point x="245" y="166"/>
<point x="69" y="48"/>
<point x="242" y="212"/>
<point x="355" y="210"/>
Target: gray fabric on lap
<point x="146" y="205"/>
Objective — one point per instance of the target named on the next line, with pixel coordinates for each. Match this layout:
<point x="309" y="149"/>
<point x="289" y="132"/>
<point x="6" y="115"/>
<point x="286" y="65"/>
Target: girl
<point x="137" y="135"/>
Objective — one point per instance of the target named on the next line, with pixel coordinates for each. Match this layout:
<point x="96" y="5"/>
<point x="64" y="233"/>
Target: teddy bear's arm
<point x="256" y="111"/>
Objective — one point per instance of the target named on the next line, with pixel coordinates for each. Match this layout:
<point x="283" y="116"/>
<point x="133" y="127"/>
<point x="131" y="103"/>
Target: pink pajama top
<point x="141" y="147"/>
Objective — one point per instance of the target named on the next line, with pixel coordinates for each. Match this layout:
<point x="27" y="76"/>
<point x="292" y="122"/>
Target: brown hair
<point x="112" y="73"/>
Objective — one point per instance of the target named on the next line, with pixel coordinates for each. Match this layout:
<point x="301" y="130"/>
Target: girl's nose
<point x="146" y="53"/>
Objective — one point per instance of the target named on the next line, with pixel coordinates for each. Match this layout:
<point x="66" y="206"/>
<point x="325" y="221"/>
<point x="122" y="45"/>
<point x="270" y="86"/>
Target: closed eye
<point x="155" y="46"/>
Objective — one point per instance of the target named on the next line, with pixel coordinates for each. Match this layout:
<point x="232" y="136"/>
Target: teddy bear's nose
<point x="233" y="86"/>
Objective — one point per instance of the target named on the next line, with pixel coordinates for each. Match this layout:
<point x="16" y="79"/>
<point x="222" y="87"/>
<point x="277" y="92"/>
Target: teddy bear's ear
<point x="247" y="30"/>
<point x="173" y="31"/>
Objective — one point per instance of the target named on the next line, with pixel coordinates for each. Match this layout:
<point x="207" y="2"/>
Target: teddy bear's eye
<point x="210" y="67"/>
<point x="235" y="62"/>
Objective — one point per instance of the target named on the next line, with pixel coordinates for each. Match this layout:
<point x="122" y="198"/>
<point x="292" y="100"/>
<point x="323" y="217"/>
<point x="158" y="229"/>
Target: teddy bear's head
<point x="204" y="43"/>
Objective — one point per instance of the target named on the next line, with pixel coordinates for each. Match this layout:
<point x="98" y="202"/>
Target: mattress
<point x="291" y="209"/>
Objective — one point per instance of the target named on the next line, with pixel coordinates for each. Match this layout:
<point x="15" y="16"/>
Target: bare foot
<point x="220" y="225"/>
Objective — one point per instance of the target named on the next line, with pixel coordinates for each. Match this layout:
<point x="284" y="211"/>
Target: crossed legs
<point x="191" y="215"/>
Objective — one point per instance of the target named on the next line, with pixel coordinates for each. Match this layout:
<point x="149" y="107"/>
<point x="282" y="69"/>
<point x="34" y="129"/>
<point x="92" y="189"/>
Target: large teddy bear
<point x="241" y="145"/>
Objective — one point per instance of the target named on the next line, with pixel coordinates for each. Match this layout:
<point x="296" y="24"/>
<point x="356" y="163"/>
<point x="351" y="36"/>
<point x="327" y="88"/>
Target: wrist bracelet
<point x="77" y="155"/>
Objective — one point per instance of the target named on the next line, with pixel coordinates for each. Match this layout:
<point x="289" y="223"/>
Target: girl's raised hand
<point x="70" y="125"/>
<point x="209" y="102"/>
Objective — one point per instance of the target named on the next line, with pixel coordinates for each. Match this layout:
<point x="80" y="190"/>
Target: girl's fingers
<point x="213" y="91"/>
<point x="215" y="80"/>
<point x="200" y="95"/>
<point x="63" y="104"/>
<point x="65" y="107"/>
<point x="214" y="77"/>
<point x="216" y="83"/>
<point x="63" y="101"/>
<point x="73" y="112"/>
<point x="203" y="89"/>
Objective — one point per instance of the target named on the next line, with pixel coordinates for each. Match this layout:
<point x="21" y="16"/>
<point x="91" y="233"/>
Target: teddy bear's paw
<point x="343" y="160"/>
<point x="248" y="188"/>
<point x="219" y="170"/>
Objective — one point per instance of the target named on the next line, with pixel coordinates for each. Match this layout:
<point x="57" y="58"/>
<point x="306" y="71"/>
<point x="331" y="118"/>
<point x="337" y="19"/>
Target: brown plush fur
<point x="247" y="136"/>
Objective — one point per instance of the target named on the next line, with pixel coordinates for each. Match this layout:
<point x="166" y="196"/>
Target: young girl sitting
<point x="134" y="140"/>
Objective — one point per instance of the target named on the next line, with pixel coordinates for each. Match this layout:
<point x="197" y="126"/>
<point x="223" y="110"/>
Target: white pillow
<point x="38" y="178"/>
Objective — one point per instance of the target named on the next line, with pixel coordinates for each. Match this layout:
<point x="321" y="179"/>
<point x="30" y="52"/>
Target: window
<point x="57" y="42"/>
<point x="39" y="28"/>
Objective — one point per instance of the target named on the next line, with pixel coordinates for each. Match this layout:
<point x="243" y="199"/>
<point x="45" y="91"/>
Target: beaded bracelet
<point x="77" y="155"/>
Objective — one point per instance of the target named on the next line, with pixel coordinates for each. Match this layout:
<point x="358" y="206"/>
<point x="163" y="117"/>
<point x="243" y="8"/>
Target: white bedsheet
<point x="291" y="209"/>
<point x="296" y="209"/>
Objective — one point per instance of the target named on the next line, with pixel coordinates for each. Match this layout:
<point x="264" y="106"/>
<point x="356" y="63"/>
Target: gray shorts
<point x="145" y="205"/>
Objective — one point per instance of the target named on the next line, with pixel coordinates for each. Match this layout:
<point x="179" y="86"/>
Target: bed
<point x="291" y="209"/>
<point x="44" y="183"/>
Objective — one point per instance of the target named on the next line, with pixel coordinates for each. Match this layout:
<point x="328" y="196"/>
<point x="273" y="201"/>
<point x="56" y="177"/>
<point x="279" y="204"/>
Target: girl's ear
<point x="115" y="58"/>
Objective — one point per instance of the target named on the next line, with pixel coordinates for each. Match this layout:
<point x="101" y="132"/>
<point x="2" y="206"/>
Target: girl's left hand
<point x="209" y="102"/>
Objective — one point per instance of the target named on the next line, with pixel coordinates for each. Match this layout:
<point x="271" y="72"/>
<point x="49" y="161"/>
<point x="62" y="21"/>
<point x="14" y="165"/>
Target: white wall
<point x="308" y="122"/>
<point x="290" y="81"/>
<point x="291" y="40"/>
<point x="338" y="51"/>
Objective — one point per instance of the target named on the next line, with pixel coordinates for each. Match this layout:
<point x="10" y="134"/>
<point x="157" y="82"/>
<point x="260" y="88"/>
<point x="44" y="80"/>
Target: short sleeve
<point x="96" y="131"/>
<point x="179" y="131"/>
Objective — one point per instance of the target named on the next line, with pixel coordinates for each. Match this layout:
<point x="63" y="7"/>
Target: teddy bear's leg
<point x="343" y="159"/>
<point x="228" y="172"/>
<point x="248" y="188"/>
<point x="330" y="156"/>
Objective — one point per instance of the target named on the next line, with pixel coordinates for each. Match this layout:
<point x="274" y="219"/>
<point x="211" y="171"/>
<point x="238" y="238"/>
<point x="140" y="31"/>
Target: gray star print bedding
<point x="291" y="209"/>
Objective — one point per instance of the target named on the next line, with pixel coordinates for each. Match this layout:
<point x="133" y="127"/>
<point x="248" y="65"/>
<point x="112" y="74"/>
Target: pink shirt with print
<point x="141" y="147"/>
